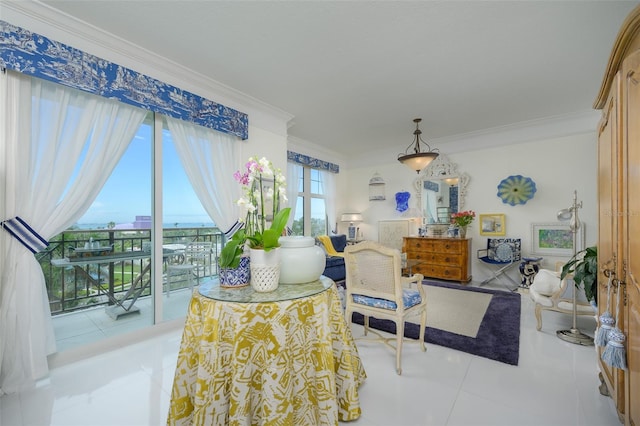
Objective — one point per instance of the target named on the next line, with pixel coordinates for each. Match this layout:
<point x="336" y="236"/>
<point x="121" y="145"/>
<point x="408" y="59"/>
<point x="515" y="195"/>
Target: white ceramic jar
<point x="301" y="261"/>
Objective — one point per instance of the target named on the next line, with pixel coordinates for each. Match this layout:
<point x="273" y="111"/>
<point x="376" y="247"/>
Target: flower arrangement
<point x="463" y="219"/>
<point x="264" y="189"/>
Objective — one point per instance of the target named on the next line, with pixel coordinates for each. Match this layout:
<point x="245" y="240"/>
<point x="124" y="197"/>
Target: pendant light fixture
<point x="417" y="160"/>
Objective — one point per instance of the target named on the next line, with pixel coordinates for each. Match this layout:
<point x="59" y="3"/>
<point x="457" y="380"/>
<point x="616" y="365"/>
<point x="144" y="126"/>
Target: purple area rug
<point x="498" y="337"/>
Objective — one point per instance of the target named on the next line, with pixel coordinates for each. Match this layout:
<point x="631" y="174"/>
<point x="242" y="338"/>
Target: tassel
<point x="606" y="325"/>
<point x="607" y="322"/>
<point x="614" y="353"/>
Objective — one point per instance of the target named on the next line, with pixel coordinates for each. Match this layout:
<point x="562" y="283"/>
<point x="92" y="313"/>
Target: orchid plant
<point x="264" y="189"/>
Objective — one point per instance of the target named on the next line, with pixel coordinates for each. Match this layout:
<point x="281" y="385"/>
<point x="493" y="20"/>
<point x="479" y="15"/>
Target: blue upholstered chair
<point x="375" y="287"/>
<point x="500" y="256"/>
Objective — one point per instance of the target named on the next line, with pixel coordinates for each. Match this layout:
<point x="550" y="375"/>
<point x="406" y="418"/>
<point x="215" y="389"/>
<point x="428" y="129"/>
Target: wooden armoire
<point x="619" y="211"/>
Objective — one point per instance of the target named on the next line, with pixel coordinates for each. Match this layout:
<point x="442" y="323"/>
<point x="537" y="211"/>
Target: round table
<point x="284" y="357"/>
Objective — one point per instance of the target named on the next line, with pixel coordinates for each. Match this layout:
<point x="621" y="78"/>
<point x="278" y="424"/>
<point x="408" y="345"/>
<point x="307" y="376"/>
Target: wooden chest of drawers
<point x="444" y="258"/>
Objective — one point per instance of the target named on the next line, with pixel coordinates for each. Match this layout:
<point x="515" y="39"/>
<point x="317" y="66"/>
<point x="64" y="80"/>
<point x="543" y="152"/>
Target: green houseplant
<point x="584" y="267"/>
<point x="264" y="187"/>
<point x="233" y="250"/>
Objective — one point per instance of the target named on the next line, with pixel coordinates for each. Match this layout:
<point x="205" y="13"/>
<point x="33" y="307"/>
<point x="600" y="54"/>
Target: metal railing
<point x="69" y="290"/>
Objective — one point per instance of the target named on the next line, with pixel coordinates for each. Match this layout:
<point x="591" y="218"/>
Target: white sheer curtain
<point x="329" y="186"/>
<point x="47" y="130"/>
<point x="209" y="159"/>
<point x="293" y="180"/>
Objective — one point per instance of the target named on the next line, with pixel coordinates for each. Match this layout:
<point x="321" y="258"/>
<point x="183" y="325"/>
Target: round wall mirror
<point x="440" y="190"/>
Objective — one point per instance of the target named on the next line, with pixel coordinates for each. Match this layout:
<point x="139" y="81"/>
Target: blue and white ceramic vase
<point x="236" y="277"/>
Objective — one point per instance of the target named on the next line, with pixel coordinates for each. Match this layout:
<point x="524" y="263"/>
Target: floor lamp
<point x="573" y="335"/>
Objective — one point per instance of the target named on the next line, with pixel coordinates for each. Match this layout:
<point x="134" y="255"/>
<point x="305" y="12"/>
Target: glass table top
<point x="211" y="289"/>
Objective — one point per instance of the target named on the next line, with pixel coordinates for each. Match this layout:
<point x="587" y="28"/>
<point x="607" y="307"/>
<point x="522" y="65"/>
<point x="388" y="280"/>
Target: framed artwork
<point x="555" y="239"/>
<point x="492" y="224"/>
<point x="391" y="233"/>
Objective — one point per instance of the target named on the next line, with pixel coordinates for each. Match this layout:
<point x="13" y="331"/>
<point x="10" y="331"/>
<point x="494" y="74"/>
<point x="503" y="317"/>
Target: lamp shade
<point x="351" y="217"/>
<point x="415" y="158"/>
<point x="418" y="161"/>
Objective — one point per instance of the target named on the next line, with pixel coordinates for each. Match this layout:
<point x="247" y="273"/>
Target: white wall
<point x="558" y="166"/>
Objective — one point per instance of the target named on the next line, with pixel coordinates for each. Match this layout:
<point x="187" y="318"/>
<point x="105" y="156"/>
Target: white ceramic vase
<point x="301" y="260"/>
<point x="265" y="269"/>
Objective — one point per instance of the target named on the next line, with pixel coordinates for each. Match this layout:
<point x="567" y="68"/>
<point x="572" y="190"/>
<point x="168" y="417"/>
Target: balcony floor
<point x="92" y="325"/>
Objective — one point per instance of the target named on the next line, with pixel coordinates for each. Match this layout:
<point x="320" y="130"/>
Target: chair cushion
<point x="334" y="261"/>
<point x="409" y="298"/>
<point x="546" y="282"/>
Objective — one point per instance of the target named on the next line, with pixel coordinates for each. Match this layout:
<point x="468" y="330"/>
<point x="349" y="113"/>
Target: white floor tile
<point x="555" y="382"/>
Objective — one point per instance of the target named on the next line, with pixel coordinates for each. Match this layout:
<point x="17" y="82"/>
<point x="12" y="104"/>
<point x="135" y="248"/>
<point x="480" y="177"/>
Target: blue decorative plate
<point x="516" y="190"/>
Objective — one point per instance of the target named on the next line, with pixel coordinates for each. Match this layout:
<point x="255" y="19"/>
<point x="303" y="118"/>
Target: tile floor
<point x="555" y="384"/>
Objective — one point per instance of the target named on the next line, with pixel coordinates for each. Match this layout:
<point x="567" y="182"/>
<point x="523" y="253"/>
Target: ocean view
<point x="164" y="225"/>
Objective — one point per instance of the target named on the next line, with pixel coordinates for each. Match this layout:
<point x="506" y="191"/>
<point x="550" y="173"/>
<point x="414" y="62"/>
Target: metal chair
<point x="193" y="262"/>
<point x="375" y="287"/>
<point x="500" y="256"/>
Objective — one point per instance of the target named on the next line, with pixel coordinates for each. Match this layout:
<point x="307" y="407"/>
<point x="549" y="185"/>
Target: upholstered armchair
<point x="334" y="246"/>
<point x="375" y="287"/>
<point x="547" y="292"/>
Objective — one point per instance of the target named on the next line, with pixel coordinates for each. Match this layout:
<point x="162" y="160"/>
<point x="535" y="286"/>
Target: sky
<point x="127" y="192"/>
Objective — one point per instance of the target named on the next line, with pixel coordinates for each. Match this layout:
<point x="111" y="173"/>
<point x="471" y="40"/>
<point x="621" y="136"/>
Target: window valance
<point x="30" y="53"/>
<point x="305" y="160"/>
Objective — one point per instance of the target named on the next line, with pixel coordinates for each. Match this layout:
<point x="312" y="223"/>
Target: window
<point x="310" y="213"/>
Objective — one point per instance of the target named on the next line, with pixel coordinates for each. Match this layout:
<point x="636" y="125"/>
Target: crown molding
<point x="52" y="23"/>
<point x="302" y="146"/>
<point x="512" y="134"/>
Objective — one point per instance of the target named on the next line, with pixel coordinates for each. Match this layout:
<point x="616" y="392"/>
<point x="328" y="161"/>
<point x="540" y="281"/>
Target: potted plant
<point x="584" y="267"/>
<point x="263" y="188"/>
<point x="232" y="251"/>
<point x="234" y="270"/>
<point x="462" y="220"/>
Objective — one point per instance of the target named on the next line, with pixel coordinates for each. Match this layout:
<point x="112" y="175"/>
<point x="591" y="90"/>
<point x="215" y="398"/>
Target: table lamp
<point x="351" y="218"/>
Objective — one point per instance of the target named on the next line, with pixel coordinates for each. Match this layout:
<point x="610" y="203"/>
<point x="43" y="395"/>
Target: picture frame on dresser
<point x="492" y="224"/>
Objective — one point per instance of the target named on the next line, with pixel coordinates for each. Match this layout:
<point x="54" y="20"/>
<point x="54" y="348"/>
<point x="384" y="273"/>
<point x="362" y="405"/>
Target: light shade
<point x="451" y="181"/>
<point x="351" y="217"/>
<point x="418" y="159"/>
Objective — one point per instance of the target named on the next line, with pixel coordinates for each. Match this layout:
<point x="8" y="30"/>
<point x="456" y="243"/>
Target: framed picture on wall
<point x="492" y="224"/>
<point x="555" y="239"/>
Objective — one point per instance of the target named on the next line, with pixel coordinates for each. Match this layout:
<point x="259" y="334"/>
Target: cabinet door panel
<point x="608" y="212"/>
<point x="631" y="234"/>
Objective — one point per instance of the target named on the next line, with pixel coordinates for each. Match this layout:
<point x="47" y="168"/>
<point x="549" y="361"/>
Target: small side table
<point x="529" y="267"/>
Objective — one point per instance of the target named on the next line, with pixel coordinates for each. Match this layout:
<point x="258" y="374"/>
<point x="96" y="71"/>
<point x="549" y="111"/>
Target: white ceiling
<point x="354" y="74"/>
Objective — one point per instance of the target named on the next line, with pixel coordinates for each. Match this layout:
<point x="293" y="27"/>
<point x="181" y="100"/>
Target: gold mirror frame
<point x="441" y="169"/>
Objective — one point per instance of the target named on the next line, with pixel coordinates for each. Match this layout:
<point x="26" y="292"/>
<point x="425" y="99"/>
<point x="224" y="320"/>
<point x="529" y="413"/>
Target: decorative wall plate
<point x="516" y="189"/>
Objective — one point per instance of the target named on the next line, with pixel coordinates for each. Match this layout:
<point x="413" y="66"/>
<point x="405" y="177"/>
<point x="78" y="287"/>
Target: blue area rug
<point x="498" y="337"/>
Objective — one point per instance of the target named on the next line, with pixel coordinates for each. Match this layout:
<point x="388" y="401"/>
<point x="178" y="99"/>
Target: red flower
<point x="463" y="218"/>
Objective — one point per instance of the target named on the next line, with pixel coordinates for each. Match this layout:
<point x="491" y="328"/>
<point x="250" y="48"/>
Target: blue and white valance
<point x="305" y="160"/>
<point x="30" y="53"/>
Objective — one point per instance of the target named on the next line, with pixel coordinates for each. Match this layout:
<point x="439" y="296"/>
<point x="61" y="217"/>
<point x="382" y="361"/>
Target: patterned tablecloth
<point x="288" y="362"/>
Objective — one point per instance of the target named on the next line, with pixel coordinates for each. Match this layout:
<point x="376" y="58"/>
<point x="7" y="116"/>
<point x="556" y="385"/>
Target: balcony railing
<point x="69" y="290"/>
